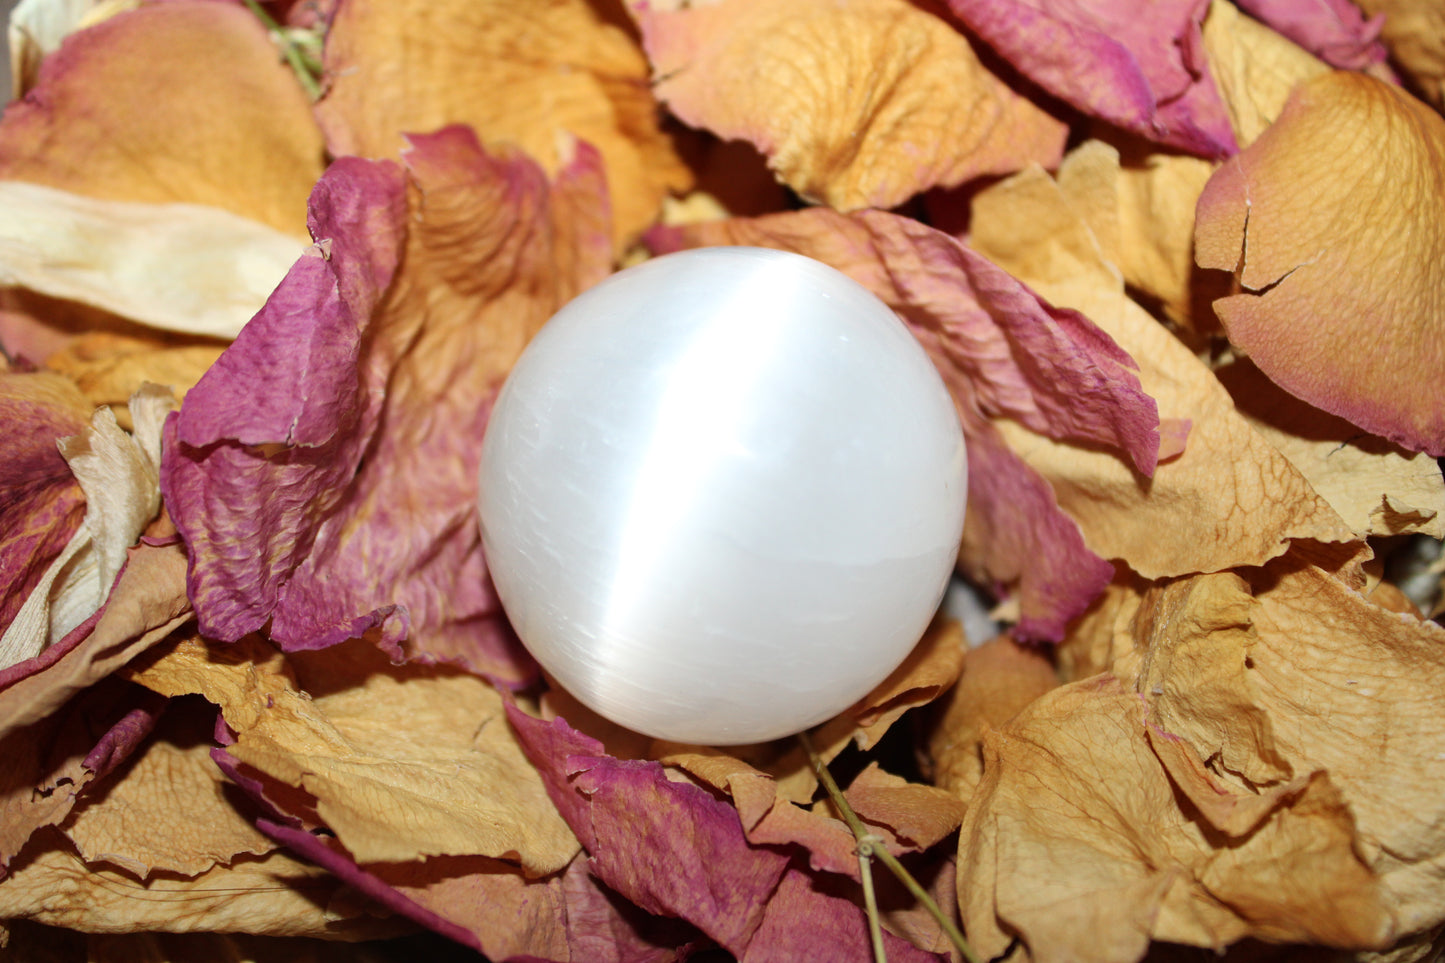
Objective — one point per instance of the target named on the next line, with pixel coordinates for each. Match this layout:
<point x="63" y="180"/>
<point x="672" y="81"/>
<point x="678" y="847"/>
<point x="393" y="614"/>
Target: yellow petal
<point x="1414" y="31"/>
<point x="1254" y="67"/>
<point x="857" y="104"/>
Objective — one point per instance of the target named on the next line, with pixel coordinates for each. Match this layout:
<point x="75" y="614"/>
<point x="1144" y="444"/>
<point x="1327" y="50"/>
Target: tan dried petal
<point x="274" y="895"/>
<point x="1252" y="501"/>
<point x="856" y="104"/>
<point x="404" y="762"/>
<point x="1376" y="487"/>
<point x="131" y="822"/>
<point x="999" y="679"/>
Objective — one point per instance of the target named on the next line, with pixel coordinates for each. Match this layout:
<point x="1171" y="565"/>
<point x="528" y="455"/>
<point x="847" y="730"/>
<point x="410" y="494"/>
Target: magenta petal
<point x="1026" y="540"/>
<point x="1333" y="30"/>
<point x="1138" y="64"/>
<point x="803" y="922"/>
<point x="671" y="848"/>
<point x="250" y="519"/>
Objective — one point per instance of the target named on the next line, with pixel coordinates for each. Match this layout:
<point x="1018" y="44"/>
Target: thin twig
<point x="870" y="903"/>
<point x="302" y="62"/>
<point x="870" y="845"/>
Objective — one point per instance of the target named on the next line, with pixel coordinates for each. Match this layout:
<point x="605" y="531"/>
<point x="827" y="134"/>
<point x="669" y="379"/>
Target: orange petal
<point x="185" y="101"/>
<point x="1334" y="225"/>
<point x="1414" y="31"/>
<point x="529" y="75"/>
<point x="856" y="104"/>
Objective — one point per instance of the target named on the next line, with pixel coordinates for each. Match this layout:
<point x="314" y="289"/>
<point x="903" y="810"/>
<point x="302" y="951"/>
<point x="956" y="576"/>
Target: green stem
<point x="302" y="63"/>
<point x="870" y="845"/>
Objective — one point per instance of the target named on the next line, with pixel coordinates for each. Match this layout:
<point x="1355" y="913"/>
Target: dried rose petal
<point x="1139" y="65"/>
<point x="183" y="101"/>
<point x="1414" y="30"/>
<point x="532" y="76"/>
<point x="1331" y="222"/>
<point x="786" y="77"/>
<point x="1333" y="30"/>
<point x="356" y="470"/>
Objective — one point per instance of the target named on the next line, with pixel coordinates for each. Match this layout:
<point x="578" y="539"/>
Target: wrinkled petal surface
<point x="356" y="466"/>
<point x="1255" y="500"/>
<point x="1136" y="64"/>
<point x="1333" y="30"/>
<point x="1332" y="223"/>
<point x="1414" y="31"/>
<point x="529" y="76"/>
<point x="786" y="77"/>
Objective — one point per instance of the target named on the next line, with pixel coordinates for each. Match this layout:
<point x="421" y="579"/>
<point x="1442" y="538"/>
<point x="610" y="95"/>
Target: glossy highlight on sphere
<point x="721" y="495"/>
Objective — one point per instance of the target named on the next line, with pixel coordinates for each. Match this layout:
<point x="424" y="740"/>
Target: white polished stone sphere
<point x="721" y="495"/>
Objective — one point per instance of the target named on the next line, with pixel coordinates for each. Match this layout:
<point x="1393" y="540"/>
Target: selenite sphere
<point x="721" y="495"/>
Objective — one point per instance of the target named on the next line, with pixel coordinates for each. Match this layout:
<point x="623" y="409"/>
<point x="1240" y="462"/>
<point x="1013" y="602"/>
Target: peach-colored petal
<point x="856" y="104"/>
<point x="173" y="102"/>
<point x="528" y="75"/>
<point x="38" y="26"/>
<point x="1248" y="497"/>
<point x="1332" y="223"/>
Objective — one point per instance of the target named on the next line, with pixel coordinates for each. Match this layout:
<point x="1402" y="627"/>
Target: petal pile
<point x="1176" y="263"/>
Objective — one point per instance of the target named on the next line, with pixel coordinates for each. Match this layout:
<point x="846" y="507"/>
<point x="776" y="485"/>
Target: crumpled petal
<point x="131" y="824"/>
<point x="110" y="366"/>
<point x="786" y="77"/>
<point x="41" y="504"/>
<point x="480" y="903"/>
<point x="1331" y="222"/>
<point x="274" y="895"/>
<point x="401" y="763"/>
<point x="117" y="474"/>
<point x="355" y="467"/>
<point x="1077" y="828"/>
<point x="1377" y="488"/>
<point x="43" y="699"/>
<point x="1255" y="500"/>
<point x="1414" y="30"/>
<point x="180" y="267"/>
<point x="175" y="102"/>
<point x="1002" y="351"/>
<point x="530" y="76"/>
<point x="1333" y="30"/>
<point x="1139" y="65"/>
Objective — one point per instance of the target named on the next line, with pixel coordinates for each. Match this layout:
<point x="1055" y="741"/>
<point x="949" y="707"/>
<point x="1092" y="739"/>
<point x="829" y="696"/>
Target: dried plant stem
<point x="303" y="62"/>
<point x="870" y="846"/>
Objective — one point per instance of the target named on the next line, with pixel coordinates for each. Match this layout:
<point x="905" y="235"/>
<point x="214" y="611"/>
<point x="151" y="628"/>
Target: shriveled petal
<point x="669" y="847"/>
<point x="1332" y="223"/>
<point x="533" y="76"/>
<point x="41" y="504"/>
<point x="357" y="467"/>
<point x="175" y="102"/>
<point x="132" y="824"/>
<point x="1139" y="65"/>
<point x="1333" y="30"/>
<point x="856" y="104"/>
<point x="1077" y="841"/>
<point x="1414" y="30"/>
<point x="38" y="26"/>
<point x="110" y="366"/>
<point x="180" y="267"/>
<point x="117" y="474"/>
<point x="401" y="763"/>
<point x="1376" y="487"/>
<point x="274" y="895"/>
<point x="1253" y="498"/>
